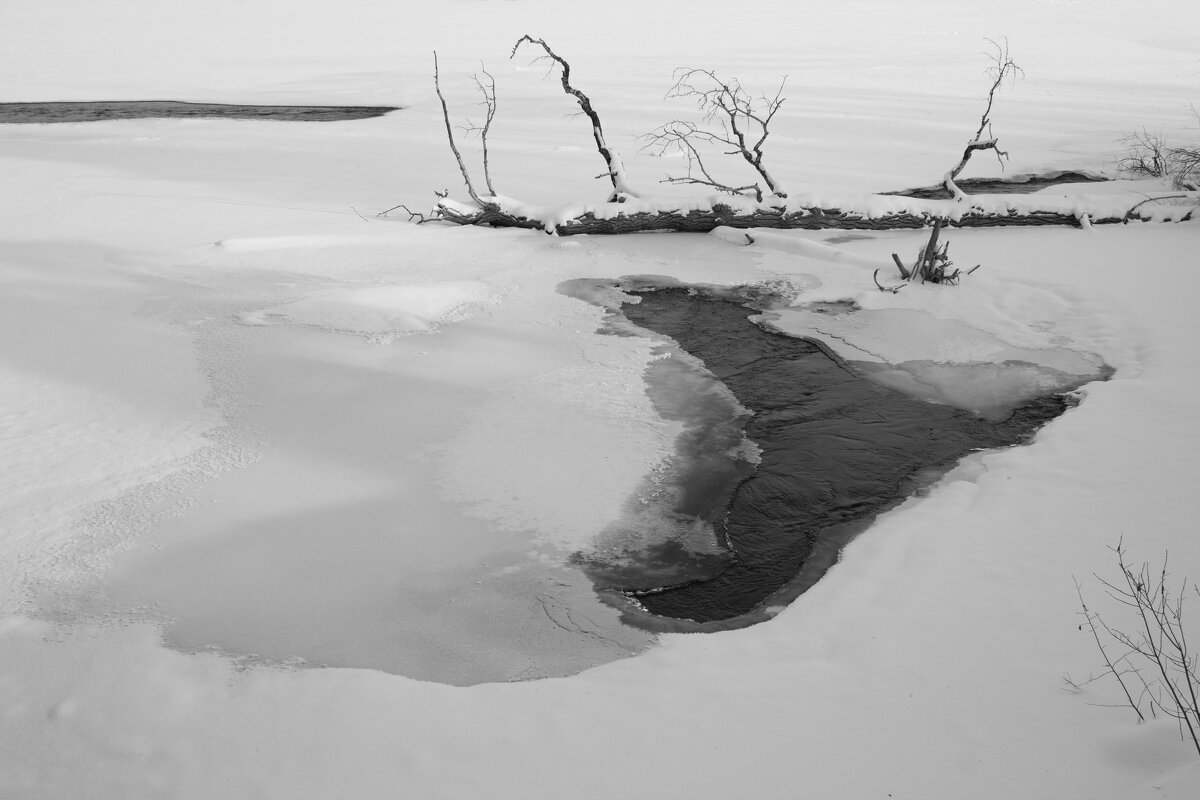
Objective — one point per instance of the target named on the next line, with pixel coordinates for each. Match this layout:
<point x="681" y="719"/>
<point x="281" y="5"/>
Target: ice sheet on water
<point x="382" y="311"/>
<point x="339" y="546"/>
<point x="412" y="506"/>
<point x="941" y="360"/>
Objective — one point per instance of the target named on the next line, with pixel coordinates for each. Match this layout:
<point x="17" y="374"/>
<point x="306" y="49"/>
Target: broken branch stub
<point x="933" y="264"/>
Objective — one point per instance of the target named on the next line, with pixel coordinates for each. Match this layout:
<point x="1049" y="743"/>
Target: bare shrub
<point x="1149" y="654"/>
<point x="1151" y="155"/>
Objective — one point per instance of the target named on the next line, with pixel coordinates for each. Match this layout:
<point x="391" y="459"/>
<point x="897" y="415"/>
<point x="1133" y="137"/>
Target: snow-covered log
<point x="705" y="219"/>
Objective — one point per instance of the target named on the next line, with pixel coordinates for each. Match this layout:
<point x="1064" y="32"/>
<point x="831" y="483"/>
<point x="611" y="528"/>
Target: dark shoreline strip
<point x="837" y="450"/>
<point x="100" y="110"/>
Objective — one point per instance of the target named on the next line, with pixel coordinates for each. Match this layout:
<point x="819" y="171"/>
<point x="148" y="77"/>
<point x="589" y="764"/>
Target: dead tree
<point x="616" y="170"/>
<point x="736" y="123"/>
<point x="1002" y="69"/>
<point x="739" y="123"/>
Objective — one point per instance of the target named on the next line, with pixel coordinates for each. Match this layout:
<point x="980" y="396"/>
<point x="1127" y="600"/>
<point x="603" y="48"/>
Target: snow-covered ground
<point x="228" y="398"/>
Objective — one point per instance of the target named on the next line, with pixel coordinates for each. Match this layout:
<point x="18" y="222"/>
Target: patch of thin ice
<point x="382" y="312"/>
<point x="941" y="360"/>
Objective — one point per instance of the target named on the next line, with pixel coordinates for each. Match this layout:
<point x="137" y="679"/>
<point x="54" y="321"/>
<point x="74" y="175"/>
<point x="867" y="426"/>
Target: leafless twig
<point x="1090" y="621"/>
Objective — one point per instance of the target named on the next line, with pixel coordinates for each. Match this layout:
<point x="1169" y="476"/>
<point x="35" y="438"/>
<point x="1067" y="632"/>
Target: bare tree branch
<point x="616" y="170"/>
<point x="683" y="137"/>
<point x="738" y="125"/>
<point x="487" y="88"/>
<point x="1132" y="212"/>
<point x="450" y="135"/>
<point x="1091" y="623"/>
<point x="412" y="215"/>
<point x="1158" y="643"/>
<point x="1003" y="68"/>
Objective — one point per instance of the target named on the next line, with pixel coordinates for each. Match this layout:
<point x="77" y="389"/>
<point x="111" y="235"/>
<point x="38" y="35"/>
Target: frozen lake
<point x="191" y="309"/>
<point x="342" y="541"/>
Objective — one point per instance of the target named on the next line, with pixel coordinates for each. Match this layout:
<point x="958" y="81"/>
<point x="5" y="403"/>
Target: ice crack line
<point x="844" y="341"/>
<point x="574" y="627"/>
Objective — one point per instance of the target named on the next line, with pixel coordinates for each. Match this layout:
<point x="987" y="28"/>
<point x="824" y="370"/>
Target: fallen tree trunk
<point x="705" y="220"/>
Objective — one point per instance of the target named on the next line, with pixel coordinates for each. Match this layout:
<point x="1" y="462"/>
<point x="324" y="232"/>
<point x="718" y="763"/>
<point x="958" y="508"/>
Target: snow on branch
<point x="616" y="170"/>
<point x="736" y="123"/>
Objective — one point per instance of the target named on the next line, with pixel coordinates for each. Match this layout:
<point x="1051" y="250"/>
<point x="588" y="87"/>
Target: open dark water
<point x="1020" y="184"/>
<point x="142" y="109"/>
<point x="836" y="450"/>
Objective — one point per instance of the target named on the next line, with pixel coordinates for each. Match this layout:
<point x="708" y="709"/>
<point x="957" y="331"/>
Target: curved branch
<point x="616" y="170"/>
<point x="1003" y="69"/>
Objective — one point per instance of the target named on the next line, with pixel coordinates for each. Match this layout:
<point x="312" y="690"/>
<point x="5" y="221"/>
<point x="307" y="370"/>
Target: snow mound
<point x="382" y="312"/>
